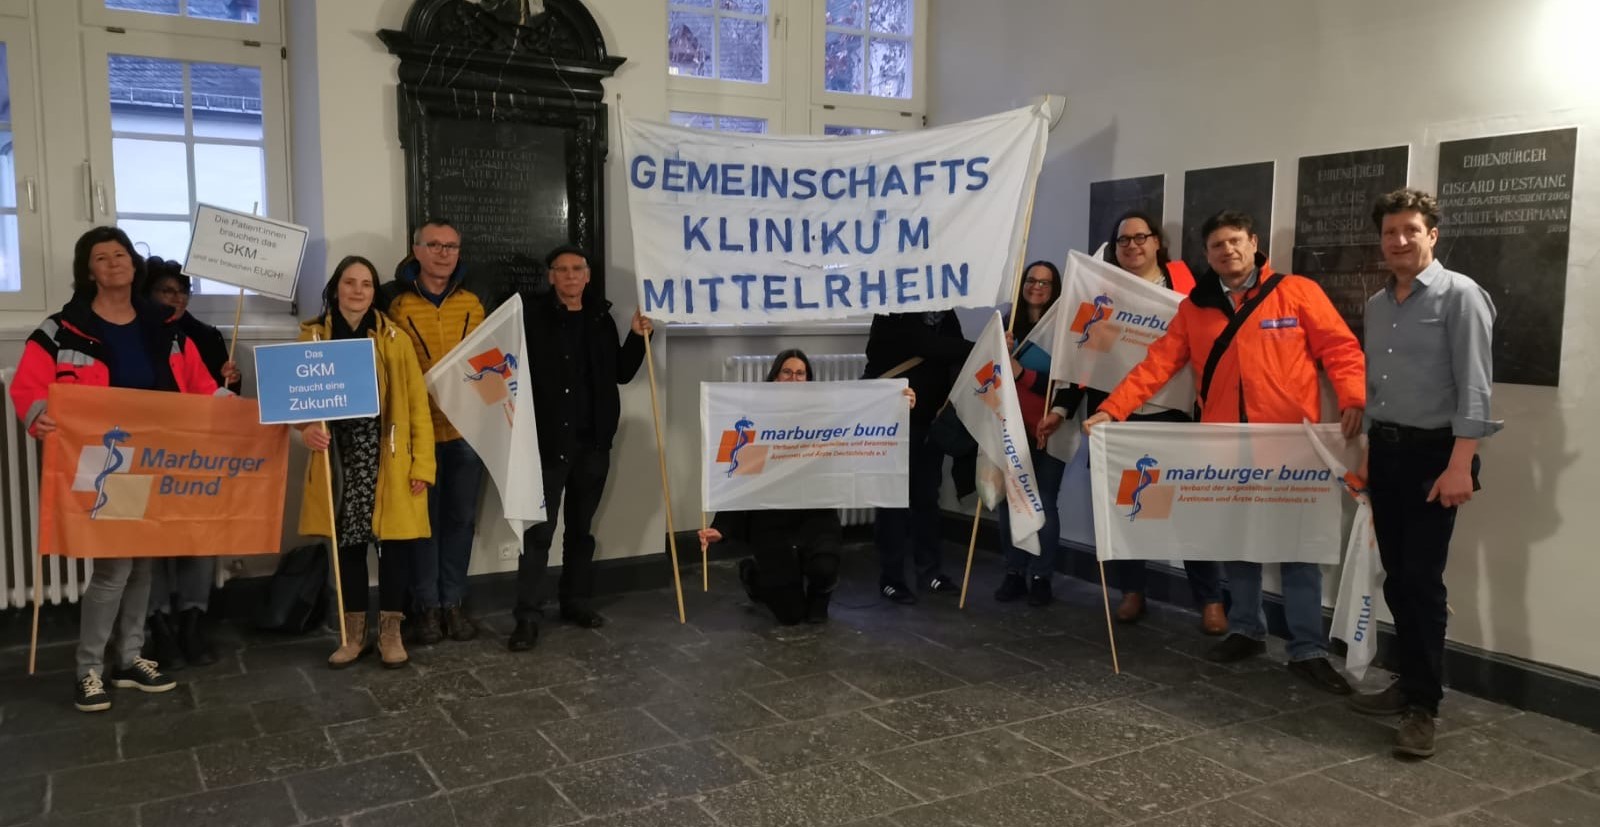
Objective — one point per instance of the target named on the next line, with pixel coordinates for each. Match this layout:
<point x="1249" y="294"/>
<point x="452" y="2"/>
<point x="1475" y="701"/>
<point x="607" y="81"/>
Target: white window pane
<point x="890" y="16"/>
<point x="841" y="63"/>
<point x="226" y="100"/>
<point x="699" y="4"/>
<point x="742" y="51"/>
<point x="694" y="120"/>
<point x="8" y="171"/>
<point x="146" y="94"/>
<point x="150" y="6"/>
<point x="689" y="44"/>
<point x="152" y="176"/>
<point x="746" y="6"/>
<point x="891" y="68"/>
<point x="167" y="239"/>
<point x="753" y="126"/>
<point x="239" y="11"/>
<point x="844" y="13"/>
<point x="833" y="130"/>
<point x="5" y="87"/>
<point x="10" y="255"/>
<point x="230" y="176"/>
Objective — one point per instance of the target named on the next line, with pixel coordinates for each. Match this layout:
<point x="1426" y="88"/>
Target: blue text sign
<point x="317" y="381"/>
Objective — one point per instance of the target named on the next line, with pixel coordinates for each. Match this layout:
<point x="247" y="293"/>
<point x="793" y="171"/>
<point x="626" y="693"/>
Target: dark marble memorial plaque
<point x="1108" y="200"/>
<point x="1335" y="241"/>
<point x="1507" y="204"/>
<point x="1206" y="192"/>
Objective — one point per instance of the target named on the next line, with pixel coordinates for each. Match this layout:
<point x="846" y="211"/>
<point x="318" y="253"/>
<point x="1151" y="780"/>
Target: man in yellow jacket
<point x="428" y="302"/>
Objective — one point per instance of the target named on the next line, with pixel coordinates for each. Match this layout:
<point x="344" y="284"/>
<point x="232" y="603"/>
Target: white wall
<point x="1158" y="86"/>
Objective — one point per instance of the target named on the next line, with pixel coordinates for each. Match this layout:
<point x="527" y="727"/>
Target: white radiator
<point x="64" y="577"/>
<point x="827" y="367"/>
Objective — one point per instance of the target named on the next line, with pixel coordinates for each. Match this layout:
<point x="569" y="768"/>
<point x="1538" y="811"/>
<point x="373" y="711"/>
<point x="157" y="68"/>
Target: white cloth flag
<point x="1107" y="321"/>
<point x="985" y="397"/>
<point x="1181" y="491"/>
<point x="1355" y="615"/>
<point x="482" y="387"/>
<point x="804" y="444"/>
<point x="738" y="228"/>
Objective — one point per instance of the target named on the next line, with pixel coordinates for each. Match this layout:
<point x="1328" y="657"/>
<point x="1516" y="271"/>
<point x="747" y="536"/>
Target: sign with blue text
<point x="246" y="250"/>
<point x="317" y="381"/>
<point x="736" y="228"/>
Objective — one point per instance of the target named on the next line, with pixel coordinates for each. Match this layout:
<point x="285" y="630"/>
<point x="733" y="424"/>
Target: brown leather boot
<point x="1131" y="608"/>
<point x="355" y="641"/>
<point x="390" y="647"/>
<point x="1213" y="620"/>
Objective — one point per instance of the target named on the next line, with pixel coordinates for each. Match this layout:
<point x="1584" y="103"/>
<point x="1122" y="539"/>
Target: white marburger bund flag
<point x="1355" y="616"/>
<point x="482" y="387"/>
<point x="985" y="397"/>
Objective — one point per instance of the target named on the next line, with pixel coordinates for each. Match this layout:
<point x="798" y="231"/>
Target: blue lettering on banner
<point x="1364" y="620"/>
<point x="866" y="290"/>
<point x="870" y="179"/>
<point x="313" y="381"/>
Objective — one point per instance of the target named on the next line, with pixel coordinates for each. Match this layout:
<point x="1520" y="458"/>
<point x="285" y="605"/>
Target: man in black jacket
<point x="934" y="340"/>
<point x="575" y="363"/>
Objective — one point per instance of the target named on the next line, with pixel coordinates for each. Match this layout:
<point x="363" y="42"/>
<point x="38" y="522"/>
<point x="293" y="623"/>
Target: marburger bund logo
<point x="106" y="471"/>
<point x="494" y="377"/>
<point x="738" y="452"/>
<point x="1141" y="492"/>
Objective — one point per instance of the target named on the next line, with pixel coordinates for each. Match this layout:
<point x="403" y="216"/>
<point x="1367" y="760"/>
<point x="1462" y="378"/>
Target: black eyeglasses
<point x="1033" y="282"/>
<point x="442" y="247"/>
<point x="1136" y="238"/>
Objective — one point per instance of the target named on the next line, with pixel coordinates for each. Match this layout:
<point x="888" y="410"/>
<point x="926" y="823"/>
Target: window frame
<point x="826" y="116"/>
<point x="100" y="45"/>
<point x="268" y="27"/>
<point x="776" y="58"/>
<point x="770" y="111"/>
<point x="28" y="164"/>
<point x="917" y="104"/>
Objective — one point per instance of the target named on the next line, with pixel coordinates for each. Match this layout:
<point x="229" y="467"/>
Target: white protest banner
<point x="482" y="387"/>
<point x="804" y="444"/>
<point x="739" y="228"/>
<point x="1355" y="619"/>
<point x="246" y="251"/>
<point x="1107" y="321"/>
<point x="1181" y="491"/>
<point x="985" y="397"/>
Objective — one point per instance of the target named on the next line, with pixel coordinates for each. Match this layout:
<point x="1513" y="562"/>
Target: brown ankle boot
<point x="1131" y="608"/>
<point x="355" y="642"/>
<point x="1213" y="620"/>
<point x="390" y="647"/>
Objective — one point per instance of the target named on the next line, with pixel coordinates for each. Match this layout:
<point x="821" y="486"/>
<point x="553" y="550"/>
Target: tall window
<point x="720" y="123"/>
<point x="719" y="39"/>
<point x="868" y="47"/>
<point x="238" y="11"/>
<point x="10" y="244"/>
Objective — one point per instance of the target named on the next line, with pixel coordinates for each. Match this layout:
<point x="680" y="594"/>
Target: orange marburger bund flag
<point x="142" y="473"/>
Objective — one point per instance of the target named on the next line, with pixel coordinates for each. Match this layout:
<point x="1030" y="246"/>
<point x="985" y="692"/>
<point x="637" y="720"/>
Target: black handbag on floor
<point x="296" y="597"/>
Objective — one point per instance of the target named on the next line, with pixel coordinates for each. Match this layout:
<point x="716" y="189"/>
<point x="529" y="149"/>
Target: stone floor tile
<point x="985" y="663"/>
<point x="719" y="673"/>
<point x="1095" y="732"/>
<point x="703" y="715"/>
<point x="1058" y="650"/>
<point x="1061" y="688"/>
<point x="628" y="782"/>
<point x="789" y="747"/>
<point x="21" y="798"/>
<point x="101" y="786"/>
<point x="1164" y="666"/>
<point x="1159" y="780"/>
<point x="888" y="677"/>
<point x="433" y="811"/>
<point x="814" y="797"/>
<point x="1474" y="818"/>
<point x="315" y="710"/>
<point x="518" y="802"/>
<point x="427" y="689"/>
<point x="265" y="804"/>
<point x="181" y="731"/>
<point x="260" y="759"/>
<point x="809" y="697"/>
<point x="672" y="814"/>
<point x="1588" y="783"/>
<point x="1419" y="786"/>
<point x="1274" y="686"/>
<point x="1259" y="752"/>
<point x="111" y="817"/>
<point x="477" y="716"/>
<point x="396" y="732"/>
<point x="954" y="711"/>
<point x="617" y="691"/>
<point x="1204" y="705"/>
<point x="249" y="688"/>
<point x="46" y="752"/>
<point x="310" y="652"/>
<point x="1214" y="814"/>
<point x="1556" y="805"/>
<point x="1335" y="728"/>
<point x="451" y="656"/>
<point x="490" y="757"/>
<point x="364" y="785"/>
<point x="954" y="766"/>
<point x="1316" y="801"/>
<point x="606" y="734"/>
<point x="1489" y="760"/>
<point x="1037" y="802"/>
<point x="523" y="671"/>
<point x="1558" y="739"/>
<point x="1460" y="711"/>
<point x="802" y="657"/>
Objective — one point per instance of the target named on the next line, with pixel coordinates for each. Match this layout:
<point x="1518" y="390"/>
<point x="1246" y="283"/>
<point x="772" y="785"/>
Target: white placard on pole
<point x="246" y="251"/>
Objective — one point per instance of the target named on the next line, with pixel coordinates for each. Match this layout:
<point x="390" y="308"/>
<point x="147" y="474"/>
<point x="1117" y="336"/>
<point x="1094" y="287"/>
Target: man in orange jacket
<point x="1267" y="373"/>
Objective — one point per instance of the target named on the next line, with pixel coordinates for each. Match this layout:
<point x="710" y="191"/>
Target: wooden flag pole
<point x="705" y="559"/>
<point x="1105" y="596"/>
<point x="38" y="601"/>
<point x="238" y="307"/>
<point x="666" y="488"/>
<point x="333" y="534"/>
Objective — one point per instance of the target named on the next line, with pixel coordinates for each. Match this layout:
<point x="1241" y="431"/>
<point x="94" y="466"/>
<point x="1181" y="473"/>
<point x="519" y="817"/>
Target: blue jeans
<point x="1048" y="471"/>
<point x="439" y="563"/>
<point x="1205" y="578"/>
<point x="1302" y="606"/>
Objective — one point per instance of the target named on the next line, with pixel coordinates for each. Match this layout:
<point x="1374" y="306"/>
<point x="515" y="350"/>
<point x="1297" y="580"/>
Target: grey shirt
<point x="1429" y="359"/>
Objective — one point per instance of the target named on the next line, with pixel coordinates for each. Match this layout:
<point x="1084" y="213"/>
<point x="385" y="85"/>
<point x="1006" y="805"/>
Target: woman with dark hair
<point x="794" y="562"/>
<point x="185" y="581"/>
<point x="1138" y="246"/>
<point x="109" y="336"/>
<point x="1029" y="574"/>
<point x="384" y="463"/>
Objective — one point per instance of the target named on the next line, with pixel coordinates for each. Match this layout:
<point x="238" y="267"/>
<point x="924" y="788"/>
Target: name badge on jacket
<point x="1279" y="324"/>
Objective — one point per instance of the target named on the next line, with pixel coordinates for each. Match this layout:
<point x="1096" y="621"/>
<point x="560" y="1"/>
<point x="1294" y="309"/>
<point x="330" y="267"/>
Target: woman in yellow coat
<point x="385" y="464"/>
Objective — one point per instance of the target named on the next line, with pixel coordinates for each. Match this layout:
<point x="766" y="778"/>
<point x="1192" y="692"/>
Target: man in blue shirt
<point x="1430" y="373"/>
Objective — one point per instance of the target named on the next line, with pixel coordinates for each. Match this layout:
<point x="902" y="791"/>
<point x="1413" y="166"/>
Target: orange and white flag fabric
<point x="142" y="473"/>
<point x="985" y="398"/>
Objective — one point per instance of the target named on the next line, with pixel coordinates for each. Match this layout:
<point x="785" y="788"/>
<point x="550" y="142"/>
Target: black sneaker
<point x="897" y="593"/>
<point x="91" y="694"/>
<point x="1414" y="738"/>
<point x="940" y="584"/>
<point x="817" y="607"/>
<point x="1390" y="701"/>
<point x="747" y="579"/>
<point x="1039" y="592"/>
<point x="142" y="675"/>
<point x="1011" y="588"/>
<point x="1321" y="674"/>
<point x="1235" y="648"/>
<point x="524" y="636"/>
<point x="579" y="616"/>
<point x="161" y="642"/>
<point x="192" y="639"/>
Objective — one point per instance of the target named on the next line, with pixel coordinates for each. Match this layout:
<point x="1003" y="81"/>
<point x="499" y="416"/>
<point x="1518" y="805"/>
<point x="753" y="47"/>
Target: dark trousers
<point x="1205" y="578"/>
<point x="394" y="575"/>
<point x="914" y="531"/>
<point x="1414" y="543"/>
<point x="1047" y="470"/>
<point x="439" y="563"/>
<point x="789" y="573"/>
<point x="581" y="478"/>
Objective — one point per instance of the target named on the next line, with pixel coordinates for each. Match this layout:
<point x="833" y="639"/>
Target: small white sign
<point x="246" y="251"/>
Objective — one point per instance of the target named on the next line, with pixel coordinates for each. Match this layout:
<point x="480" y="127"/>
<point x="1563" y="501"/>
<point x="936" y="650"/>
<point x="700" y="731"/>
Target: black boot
<point x="1011" y="588"/>
<point x="193" y="640"/>
<point x="819" y="592"/>
<point x="161" y="645"/>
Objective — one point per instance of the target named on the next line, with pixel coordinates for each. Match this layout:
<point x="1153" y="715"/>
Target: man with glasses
<point x="428" y="302"/>
<point x="575" y="364"/>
